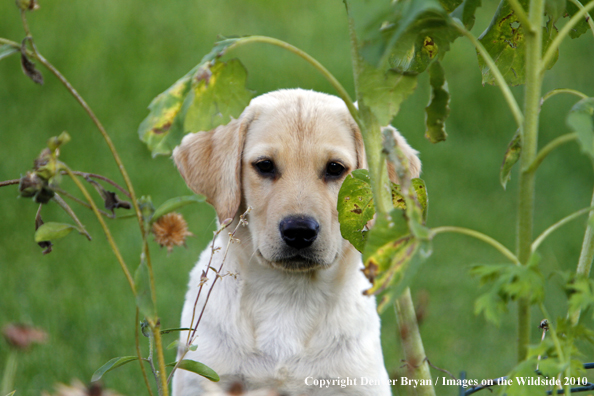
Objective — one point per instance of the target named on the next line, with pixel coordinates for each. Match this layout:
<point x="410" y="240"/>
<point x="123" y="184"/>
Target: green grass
<point x="119" y="55"/>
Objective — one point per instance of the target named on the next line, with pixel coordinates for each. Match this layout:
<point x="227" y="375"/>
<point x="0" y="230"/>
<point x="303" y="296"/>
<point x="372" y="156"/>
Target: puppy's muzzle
<point x="299" y="232"/>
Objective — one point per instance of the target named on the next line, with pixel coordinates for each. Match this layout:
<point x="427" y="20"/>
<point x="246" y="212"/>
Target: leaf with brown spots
<point x="355" y="208"/>
<point x="206" y="97"/>
<point x="504" y="40"/>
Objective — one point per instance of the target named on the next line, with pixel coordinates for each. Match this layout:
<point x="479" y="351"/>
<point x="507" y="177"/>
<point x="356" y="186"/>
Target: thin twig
<point x="10" y="182"/>
<point x="546" y="150"/>
<point x="478" y="235"/>
<point x="81" y="202"/>
<point x="86" y="175"/>
<point x="558" y="224"/>
<point x="68" y="209"/>
<point x="110" y="240"/>
<point x="241" y="221"/>
<point x="440" y="369"/>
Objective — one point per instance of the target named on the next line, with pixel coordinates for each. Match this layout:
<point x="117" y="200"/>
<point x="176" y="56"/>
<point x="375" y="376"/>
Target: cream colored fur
<point x="280" y="325"/>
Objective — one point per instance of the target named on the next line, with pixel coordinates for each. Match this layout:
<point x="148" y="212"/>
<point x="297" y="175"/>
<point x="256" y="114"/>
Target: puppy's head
<point x="285" y="157"/>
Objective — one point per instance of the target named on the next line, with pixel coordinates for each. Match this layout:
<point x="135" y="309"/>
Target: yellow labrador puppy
<point x="294" y="318"/>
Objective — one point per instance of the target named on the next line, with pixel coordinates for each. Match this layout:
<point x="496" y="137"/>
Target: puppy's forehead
<point x="303" y="122"/>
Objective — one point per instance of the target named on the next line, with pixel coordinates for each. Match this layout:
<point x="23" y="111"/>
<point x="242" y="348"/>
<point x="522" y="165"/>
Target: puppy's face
<point x="295" y="158"/>
<point x="286" y="158"/>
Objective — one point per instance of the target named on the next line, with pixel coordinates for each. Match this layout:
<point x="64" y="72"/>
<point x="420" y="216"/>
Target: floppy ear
<point x="210" y="163"/>
<point x="414" y="163"/>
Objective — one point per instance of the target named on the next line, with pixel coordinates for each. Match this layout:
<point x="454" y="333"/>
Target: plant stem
<point x="529" y="148"/>
<point x="559" y="224"/>
<point x="81" y="202"/>
<point x="9" y="373"/>
<point x="564" y="32"/>
<point x="478" y="235"/>
<point x="586" y="256"/>
<point x="563" y="90"/>
<point x="546" y="150"/>
<point x="412" y="344"/>
<point x="499" y="79"/>
<point x="413" y="349"/>
<point x="557" y="344"/>
<point x="156" y="330"/>
<point x="139" y="353"/>
<point x="10" y="182"/>
<point x="312" y="61"/>
<point x="86" y="175"/>
<point x="68" y="209"/>
<point x="110" y="240"/>
<point x="587" y="16"/>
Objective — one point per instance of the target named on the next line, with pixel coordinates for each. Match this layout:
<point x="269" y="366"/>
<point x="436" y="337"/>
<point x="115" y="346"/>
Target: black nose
<point x="299" y="232"/>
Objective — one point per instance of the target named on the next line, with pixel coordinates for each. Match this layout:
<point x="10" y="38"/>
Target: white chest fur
<point x="270" y="328"/>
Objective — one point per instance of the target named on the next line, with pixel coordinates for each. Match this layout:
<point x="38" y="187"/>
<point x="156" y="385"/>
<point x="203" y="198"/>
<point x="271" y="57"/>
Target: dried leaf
<point x="29" y="67"/>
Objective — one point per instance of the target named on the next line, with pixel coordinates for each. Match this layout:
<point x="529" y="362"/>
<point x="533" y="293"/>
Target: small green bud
<point x="56" y="141"/>
<point x="27" y="5"/>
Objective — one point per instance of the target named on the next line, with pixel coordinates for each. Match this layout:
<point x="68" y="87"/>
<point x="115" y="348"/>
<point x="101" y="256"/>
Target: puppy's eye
<point x="265" y="167"/>
<point x="334" y="169"/>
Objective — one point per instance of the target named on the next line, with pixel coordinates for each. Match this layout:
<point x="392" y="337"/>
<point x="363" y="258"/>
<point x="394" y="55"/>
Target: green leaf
<point x="51" y="231"/>
<point x="217" y="97"/>
<point x="581" y="294"/>
<point x="510" y="282"/>
<point x="174" y="204"/>
<point x="418" y="185"/>
<point x="581" y="120"/>
<point x="112" y="364"/>
<point x="406" y="35"/>
<point x="384" y="241"/>
<point x="383" y="92"/>
<point x="401" y="260"/>
<point x="465" y="12"/>
<point x="7" y="50"/>
<point x="355" y="208"/>
<point x="438" y="109"/>
<point x="206" y="97"/>
<point x="144" y="299"/>
<point x="198" y="368"/>
<point x="555" y="9"/>
<point x="512" y="155"/>
<point x="504" y="40"/>
<point x="163" y="111"/>
<point x="582" y="26"/>
<point x="11" y="393"/>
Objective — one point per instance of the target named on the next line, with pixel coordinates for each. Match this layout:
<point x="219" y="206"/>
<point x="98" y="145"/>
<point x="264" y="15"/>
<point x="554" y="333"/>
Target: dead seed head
<point x="22" y="336"/>
<point x="171" y="230"/>
<point x="77" y="388"/>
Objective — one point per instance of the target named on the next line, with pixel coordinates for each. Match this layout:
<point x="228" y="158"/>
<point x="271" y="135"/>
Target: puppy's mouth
<point x="297" y="262"/>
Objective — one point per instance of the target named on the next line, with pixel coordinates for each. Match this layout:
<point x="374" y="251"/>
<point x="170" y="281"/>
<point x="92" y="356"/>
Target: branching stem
<point x="312" y="61"/>
<point x="546" y="150"/>
<point x="537" y="242"/>
<point x="588" y="17"/>
<point x="499" y="79"/>
<point x="478" y="235"/>
<point x="562" y="90"/>
<point x="110" y="240"/>
<point x="563" y="33"/>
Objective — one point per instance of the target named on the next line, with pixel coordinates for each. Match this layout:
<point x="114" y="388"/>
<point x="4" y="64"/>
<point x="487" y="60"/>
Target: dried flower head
<point x="77" y="388"/>
<point x="171" y="230"/>
<point x="21" y="336"/>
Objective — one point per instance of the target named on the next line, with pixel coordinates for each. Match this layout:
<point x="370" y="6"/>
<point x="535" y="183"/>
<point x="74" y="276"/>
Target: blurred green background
<point x="121" y="54"/>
